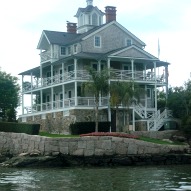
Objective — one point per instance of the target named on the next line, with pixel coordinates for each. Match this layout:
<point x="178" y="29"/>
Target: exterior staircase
<point x="154" y="120"/>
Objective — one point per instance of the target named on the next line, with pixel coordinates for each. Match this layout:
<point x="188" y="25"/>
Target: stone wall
<point x="15" y="144"/>
<point x="58" y="123"/>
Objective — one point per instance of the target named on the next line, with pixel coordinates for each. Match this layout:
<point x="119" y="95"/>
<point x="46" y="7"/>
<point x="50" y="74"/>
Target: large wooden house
<point x="55" y="86"/>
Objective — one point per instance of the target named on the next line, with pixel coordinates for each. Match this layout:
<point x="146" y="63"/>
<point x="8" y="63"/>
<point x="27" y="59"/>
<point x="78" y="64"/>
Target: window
<point x="95" y="67"/>
<point x="69" y="50"/>
<point x="148" y="93"/>
<point x="94" y="19"/>
<point x="128" y="42"/>
<point x="75" y="48"/>
<point x="63" y="50"/>
<point x="97" y="41"/>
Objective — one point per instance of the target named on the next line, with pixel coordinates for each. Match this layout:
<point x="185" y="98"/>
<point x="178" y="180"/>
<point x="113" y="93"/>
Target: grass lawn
<point x="147" y="139"/>
<point x="45" y="134"/>
<point x="159" y="141"/>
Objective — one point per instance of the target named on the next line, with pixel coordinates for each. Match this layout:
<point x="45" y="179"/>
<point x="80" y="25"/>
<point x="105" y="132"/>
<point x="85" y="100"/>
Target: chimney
<point x="110" y="13"/>
<point x="71" y="27"/>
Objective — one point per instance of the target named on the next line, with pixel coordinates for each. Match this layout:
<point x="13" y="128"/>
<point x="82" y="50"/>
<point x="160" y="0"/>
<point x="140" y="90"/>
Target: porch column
<point x="155" y="89"/>
<point x="146" y="104"/>
<point x="166" y="80"/>
<point x="31" y="94"/>
<point x="51" y="74"/>
<point x="22" y="96"/>
<point x="75" y="84"/>
<point x="132" y="68"/>
<point x="62" y="77"/>
<point x="109" y="107"/>
<point x="99" y="69"/>
<point x="41" y="100"/>
<point x="63" y="95"/>
<point x="133" y="119"/>
<point x="52" y="97"/>
<point x="75" y="68"/>
<point x="41" y="71"/>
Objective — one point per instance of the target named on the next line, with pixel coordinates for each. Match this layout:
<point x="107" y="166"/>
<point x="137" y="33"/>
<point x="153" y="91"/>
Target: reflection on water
<point x="172" y="178"/>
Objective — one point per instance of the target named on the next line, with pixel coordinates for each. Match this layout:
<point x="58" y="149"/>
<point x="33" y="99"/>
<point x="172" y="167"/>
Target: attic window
<point x="128" y="42"/>
<point x="63" y="50"/>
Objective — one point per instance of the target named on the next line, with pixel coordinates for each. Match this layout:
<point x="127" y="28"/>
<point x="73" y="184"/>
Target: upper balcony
<point x="83" y="75"/>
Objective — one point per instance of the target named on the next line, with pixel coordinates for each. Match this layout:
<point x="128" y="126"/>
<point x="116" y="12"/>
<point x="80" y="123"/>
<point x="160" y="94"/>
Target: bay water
<point x="136" y="178"/>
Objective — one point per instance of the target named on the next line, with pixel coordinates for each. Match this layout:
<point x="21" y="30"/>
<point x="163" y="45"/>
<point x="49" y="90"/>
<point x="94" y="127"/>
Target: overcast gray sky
<point x="22" y="22"/>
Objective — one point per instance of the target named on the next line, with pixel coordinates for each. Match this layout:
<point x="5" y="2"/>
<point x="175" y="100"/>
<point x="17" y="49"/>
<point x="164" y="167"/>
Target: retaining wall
<point x="15" y="143"/>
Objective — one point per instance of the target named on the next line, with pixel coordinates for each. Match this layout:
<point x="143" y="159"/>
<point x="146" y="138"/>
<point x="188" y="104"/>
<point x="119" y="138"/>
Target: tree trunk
<point x="96" y="116"/>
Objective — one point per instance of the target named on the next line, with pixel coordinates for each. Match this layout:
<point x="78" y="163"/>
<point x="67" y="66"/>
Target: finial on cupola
<point x="89" y="2"/>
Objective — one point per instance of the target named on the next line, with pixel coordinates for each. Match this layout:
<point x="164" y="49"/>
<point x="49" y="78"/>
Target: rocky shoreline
<point x="104" y="161"/>
<point x="22" y="150"/>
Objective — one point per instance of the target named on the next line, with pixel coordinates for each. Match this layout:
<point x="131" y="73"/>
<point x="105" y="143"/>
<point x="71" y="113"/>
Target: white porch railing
<point x="67" y="103"/>
<point x="84" y="75"/>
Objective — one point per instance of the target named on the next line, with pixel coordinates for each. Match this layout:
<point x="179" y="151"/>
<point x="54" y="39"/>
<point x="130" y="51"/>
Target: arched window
<point x="94" y="19"/>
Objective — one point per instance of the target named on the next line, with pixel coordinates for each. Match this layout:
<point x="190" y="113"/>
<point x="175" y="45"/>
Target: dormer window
<point x="97" y="41"/>
<point x="62" y="50"/>
<point x="94" y="19"/>
<point x="128" y="42"/>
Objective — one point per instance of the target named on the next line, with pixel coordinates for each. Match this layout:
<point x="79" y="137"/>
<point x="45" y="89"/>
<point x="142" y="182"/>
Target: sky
<point x="165" y="21"/>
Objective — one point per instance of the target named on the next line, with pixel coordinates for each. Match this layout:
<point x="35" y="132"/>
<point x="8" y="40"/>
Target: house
<point x="55" y="86"/>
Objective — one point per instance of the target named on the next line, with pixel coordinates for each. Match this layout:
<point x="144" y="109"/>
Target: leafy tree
<point x="97" y="85"/>
<point x="122" y="93"/>
<point x="9" y="96"/>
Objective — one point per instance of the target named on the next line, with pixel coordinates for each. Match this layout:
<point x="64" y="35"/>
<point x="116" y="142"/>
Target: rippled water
<point x="97" y="179"/>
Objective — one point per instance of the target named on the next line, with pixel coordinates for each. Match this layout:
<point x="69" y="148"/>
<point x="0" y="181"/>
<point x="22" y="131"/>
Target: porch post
<point x="51" y="74"/>
<point x="63" y="93"/>
<point x="166" y="80"/>
<point x="62" y="77"/>
<point x="52" y="97"/>
<point x="155" y="89"/>
<point x="109" y="108"/>
<point x="41" y="70"/>
<point x="99" y="69"/>
<point x="133" y="119"/>
<point x="31" y="94"/>
<point x="22" y="96"/>
<point x="132" y="68"/>
<point x="146" y="104"/>
<point x="75" y="84"/>
<point x="41" y="100"/>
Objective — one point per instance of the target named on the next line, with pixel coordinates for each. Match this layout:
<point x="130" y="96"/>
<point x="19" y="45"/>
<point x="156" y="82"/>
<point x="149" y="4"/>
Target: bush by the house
<point x="31" y="129"/>
<point x="88" y="127"/>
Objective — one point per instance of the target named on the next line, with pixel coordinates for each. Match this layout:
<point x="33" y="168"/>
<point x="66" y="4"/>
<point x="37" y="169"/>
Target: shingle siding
<point x="112" y="38"/>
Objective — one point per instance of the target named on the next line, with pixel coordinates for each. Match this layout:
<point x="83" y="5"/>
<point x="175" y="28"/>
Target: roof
<point x="88" y="9"/>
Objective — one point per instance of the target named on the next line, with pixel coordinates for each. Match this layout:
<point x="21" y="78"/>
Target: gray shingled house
<point x="55" y="86"/>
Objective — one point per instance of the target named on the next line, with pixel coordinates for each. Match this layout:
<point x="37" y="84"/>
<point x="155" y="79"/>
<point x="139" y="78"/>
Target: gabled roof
<point x="117" y="24"/>
<point x="55" y="37"/>
<point x="64" y="38"/>
<point x="88" y="9"/>
<point x="132" y="51"/>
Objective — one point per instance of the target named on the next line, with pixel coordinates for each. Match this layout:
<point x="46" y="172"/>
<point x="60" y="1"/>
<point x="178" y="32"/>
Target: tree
<point x="122" y="93"/>
<point x="97" y="85"/>
<point x="9" y="96"/>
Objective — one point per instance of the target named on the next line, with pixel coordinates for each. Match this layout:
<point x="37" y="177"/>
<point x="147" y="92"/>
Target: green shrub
<point x="88" y="127"/>
<point x="31" y="129"/>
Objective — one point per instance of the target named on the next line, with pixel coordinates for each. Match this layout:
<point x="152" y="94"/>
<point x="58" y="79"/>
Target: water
<point x="97" y="179"/>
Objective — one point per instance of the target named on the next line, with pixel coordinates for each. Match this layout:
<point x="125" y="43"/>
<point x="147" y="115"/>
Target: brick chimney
<point x="71" y="27"/>
<point x="110" y="13"/>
